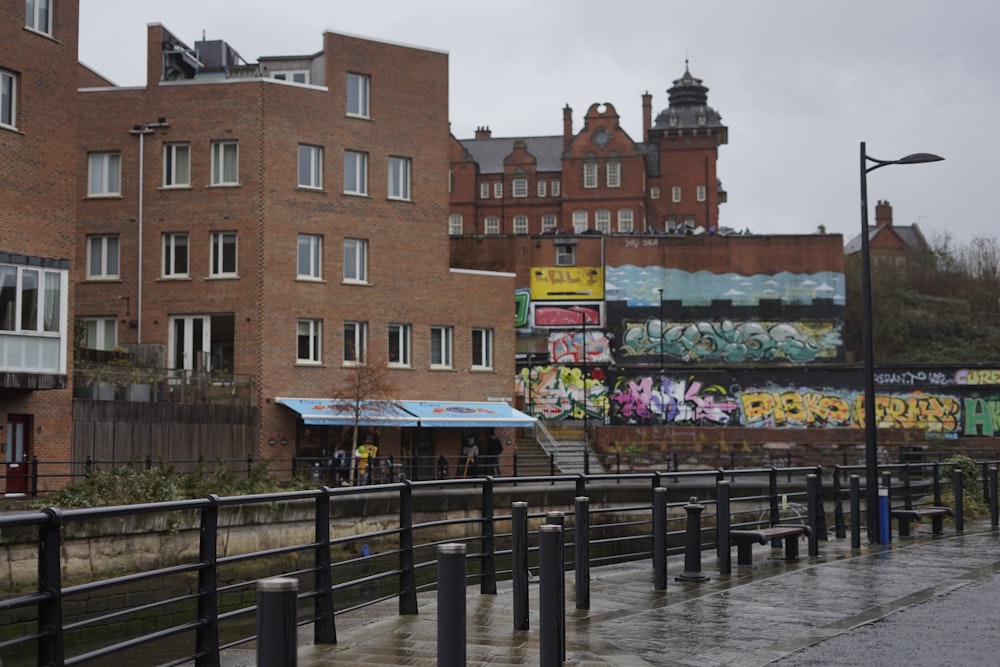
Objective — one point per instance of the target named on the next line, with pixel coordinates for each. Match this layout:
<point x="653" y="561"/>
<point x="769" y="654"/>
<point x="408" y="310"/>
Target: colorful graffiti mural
<point x="732" y="342"/>
<point x="638" y="401"/>
<point x="563" y="392"/>
<point x="567" y="347"/>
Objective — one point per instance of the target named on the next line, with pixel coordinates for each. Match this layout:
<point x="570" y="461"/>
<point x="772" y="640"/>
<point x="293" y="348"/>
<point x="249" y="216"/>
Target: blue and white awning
<point x="429" y="414"/>
<point x="342" y="412"/>
<point x="465" y="414"/>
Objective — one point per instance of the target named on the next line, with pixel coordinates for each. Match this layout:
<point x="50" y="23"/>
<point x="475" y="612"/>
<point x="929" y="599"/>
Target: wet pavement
<point x="938" y="598"/>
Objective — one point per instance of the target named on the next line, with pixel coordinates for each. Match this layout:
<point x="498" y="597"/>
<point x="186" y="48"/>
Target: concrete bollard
<point x="692" y="543"/>
<point x="551" y="602"/>
<point x="277" y="622"/>
<point x="451" y="631"/>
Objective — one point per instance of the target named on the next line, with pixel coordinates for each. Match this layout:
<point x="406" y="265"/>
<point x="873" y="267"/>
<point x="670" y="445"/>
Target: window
<point x="492" y="224"/>
<point x="520" y="224"/>
<point x="310" y="257"/>
<point x="310" y="167"/>
<point x="355" y="343"/>
<point x="580" y="223"/>
<point x="102" y="257"/>
<point x="100" y="333"/>
<point x="482" y="348"/>
<point x="565" y="255"/>
<point x="541" y="188"/>
<point x="31" y="301"/>
<point x="355" y="173"/>
<point x="700" y="193"/>
<point x="519" y="187"/>
<point x="175" y="255"/>
<point x="626" y="223"/>
<point x="223" y="254"/>
<point x="8" y="99"/>
<point x="441" y="347"/>
<point x="355" y="260"/>
<point x="654" y="192"/>
<point x="39" y="15"/>
<point x="498" y="190"/>
<point x="225" y="163"/>
<point x="399" y="344"/>
<point x="105" y="175"/>
<point x="555" y="188"/>
<point x="590" y="174"/>
<point x="293" y="75"/>
<point x="614" y="174"/>
<point x="675" y="194"/>
<point x="176" y="165"/>
<point x="358" y="91"/>
<point x="602" y="221"/>
<point x="548" y="223"/>
<point x="399" y="178"/>
<point x="455" y="224"/>
<point x="308" y="342"/>
<point x="484" y="190"/>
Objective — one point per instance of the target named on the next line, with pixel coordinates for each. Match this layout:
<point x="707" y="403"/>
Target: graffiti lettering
<point x="977" y="376"/>
<point x="982" y="417"/>
<point x="569" y="347"/>
<point x="563" y="392"/>
<point x="638" y="401"/>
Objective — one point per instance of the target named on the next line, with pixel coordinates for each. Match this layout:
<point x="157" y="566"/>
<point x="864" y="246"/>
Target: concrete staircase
<point x="566" y="441"/>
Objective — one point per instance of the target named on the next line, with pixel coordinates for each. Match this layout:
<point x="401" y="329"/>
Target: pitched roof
<point x="489" y="153"/>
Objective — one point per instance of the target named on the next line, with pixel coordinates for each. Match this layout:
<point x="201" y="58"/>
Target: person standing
<point x="494" y="448"/>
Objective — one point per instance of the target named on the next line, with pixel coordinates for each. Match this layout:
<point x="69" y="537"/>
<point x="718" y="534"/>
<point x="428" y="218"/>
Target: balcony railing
<point x="116" y="382"/>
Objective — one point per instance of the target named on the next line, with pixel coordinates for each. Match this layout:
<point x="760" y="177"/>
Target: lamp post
<point x="659" y="290"/>
<point x="583" y="374"/>
<point x="871" y="444"/>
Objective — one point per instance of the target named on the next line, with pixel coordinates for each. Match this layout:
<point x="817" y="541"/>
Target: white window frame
<point x="441" y="346"/>
<point x="309" y="341"/>
<point x="101" y="332"/>
<point x="549" y="222"/>
<point x="225" y="163"/>
<point x="484" y="190"/>
<point x="8" y="99"/>
<point x="224" y="255"/>
<point x="356" y="164"/>
<point x="602" y="221"/>
<point x="309" y="257"/>
<point x="482" y="349"/>
<point x="177" y="165"/>
<point x="355" y="261"/>
<point x="104" y="174"/>
<point x="555" y="188"/>
<point x="626" y="221"/>
<point x="400" y="336"/>
<point x="174" y="244"/>
<point x="654" y="192"/>
<point x="103" y="257"/>
<point x="38" y="16"/>
<point x="541" y="188"/>
<point x="675" y="194"/>
<point x="519" y="188"/>
<point x="455" y="224"/>
<point x="399" y="178"/>
<point x="565" y="255"/>
<point x="355" y="343"/>
<point x="358" y="95"/>
<point x="589" y="175"/>
<point x="700" y="193"/>
<point x="292" y="75"/>
<point x="498" y="190"/>
<point x="581" y="221"/>
<point x="613" y="174"/>
<point x="30" y="306"/>
<point x="310" y="160"/>
<point x="520" y="224"/>
<point x="491" y="225"/>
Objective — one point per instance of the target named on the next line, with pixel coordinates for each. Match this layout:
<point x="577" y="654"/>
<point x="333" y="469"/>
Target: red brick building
<point x="283" y="220"/>
<point x="38" y="121"/>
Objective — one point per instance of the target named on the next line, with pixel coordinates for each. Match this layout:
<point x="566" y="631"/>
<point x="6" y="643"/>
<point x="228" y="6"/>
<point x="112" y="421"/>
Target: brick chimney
<point x="883" y="213"/>
<point x="647" y="115"/>
<point x="484" y="132"/>
<point x="567" y="125"/>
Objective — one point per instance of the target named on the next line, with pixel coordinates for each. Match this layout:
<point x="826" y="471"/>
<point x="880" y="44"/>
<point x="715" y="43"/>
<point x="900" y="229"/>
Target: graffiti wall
<point x="940" y="402"/>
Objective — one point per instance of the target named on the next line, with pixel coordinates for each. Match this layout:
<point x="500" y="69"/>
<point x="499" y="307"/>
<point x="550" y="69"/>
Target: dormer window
<point x="672" y="121"/>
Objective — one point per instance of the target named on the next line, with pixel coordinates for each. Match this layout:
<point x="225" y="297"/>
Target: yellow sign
<point x="567" y="283"/>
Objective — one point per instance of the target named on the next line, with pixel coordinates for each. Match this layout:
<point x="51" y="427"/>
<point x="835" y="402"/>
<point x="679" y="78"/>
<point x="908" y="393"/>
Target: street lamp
<point x="871" y="445"/>
<point x="586" y="436"/>
<point x="660" y="291"/>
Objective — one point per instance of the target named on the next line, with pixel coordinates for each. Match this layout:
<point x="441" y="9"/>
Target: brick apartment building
<point x="282" y="220"/>
<point x="38" y="120"/>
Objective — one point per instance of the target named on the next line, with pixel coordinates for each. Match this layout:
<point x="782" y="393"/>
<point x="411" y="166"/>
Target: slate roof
<point x="489" y="153"/>
<point x="909" y="234"/>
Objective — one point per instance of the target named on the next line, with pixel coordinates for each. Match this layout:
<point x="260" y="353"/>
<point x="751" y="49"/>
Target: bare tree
<point x="366" y="386"/>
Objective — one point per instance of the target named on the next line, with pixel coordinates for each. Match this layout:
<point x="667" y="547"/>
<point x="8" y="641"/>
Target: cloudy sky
<point x="799" y="83"/>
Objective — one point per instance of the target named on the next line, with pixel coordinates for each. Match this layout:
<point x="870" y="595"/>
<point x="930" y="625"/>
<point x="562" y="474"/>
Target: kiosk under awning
<point x="341" y="412"/>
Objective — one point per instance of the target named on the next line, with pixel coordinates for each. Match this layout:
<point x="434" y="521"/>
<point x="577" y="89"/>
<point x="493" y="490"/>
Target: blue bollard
<point x="884" y="527"/>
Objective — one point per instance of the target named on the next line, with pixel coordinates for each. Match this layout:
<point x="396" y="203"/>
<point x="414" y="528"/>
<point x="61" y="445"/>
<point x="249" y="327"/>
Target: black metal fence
<point x="191" y="607"/>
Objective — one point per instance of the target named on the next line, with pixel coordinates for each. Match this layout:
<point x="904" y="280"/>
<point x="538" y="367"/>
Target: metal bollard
<point x="451" y="632"/>
<point x="814" y="511"/>
<point x="582" y="539"/>
<point x="959" y="491"/>
<point x="277" y="622"/>
<point x="660" y="539"/>
<point x="692" y="545"/>
<point x="519" y="562"/>
<point x="555" y="518"/>
<point x="723" y="521"/>
<point x="855" y="512"/>
<point x="552" y="633"/>
<point x="994" y="514"/>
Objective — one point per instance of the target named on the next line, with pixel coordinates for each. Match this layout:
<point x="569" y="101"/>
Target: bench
<point x="907" y="516"/>
<point x="745" y="539"/>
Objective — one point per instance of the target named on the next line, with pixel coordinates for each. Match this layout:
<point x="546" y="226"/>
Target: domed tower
<point x="682" y="150"/>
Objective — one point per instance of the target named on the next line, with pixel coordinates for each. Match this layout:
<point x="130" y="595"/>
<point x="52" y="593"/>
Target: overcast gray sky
<point x="799" y="83"/>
